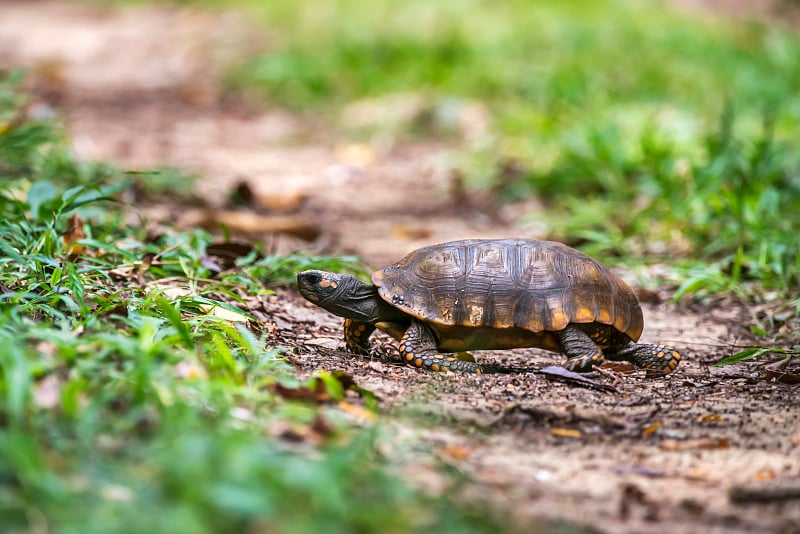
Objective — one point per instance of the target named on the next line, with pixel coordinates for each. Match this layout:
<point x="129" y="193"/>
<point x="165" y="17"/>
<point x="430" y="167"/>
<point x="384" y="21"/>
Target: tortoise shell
<point x="507" y="293"/>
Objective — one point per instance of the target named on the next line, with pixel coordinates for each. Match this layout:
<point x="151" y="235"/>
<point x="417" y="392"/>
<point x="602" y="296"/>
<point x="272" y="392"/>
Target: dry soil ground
<point x="708" y="449"/>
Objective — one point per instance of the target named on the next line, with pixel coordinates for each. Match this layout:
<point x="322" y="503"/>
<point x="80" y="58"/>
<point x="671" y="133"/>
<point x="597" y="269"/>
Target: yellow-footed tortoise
<point x="492" y="294"/>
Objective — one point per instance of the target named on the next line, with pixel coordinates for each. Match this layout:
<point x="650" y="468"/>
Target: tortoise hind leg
<point x="582" y="352"/>
<point x="657" y="360"/>
<point x="418" y="348"/>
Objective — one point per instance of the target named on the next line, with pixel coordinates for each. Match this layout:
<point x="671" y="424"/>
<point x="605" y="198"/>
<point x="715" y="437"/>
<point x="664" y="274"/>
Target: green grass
<point x="128" y="404"/>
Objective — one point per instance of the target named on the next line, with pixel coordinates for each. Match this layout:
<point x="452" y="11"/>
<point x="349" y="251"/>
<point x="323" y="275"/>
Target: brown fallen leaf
<point x="225" y="254"/>
<point x="317" y="392"/>
<point x="252" y="223"/>
<point x="283" y="203"/>
<point x="764" y="493"/>
<point x="404" y="231"/>
<point x="652" y="428"/>
<point x="48" y="79"/>
<point x="72" y="235"/>
<point x="782" y="377"/>
<point x="146" y="263"/>
<point x="709" y="418"/>
<point x="315" y="433"/>
<point x="765" y="474"/>
<point x="358" y="411"/>
<point x="459" y="453"/>
<point x="566" y="432"/>
<point x="321" y="426"/>
<point x="348" y="383"/>
<point x="319" y="388"/>
<point x="700" y="443"/>
<point x="620" y="367"/>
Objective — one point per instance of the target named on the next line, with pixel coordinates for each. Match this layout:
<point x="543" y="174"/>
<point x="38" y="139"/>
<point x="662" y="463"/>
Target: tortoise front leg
<point x="658" y="360"/>
<point x="582" y="352"/>
<point x="418" y="348"/>
<point x="356" y="336"/>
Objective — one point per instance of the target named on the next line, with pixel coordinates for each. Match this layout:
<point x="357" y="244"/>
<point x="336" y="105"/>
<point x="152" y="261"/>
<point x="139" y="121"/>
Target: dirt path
<point x="136" y="86"/>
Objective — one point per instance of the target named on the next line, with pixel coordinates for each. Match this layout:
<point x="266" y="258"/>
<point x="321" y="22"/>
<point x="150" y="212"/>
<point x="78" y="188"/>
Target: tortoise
<point x="442" y="300"/>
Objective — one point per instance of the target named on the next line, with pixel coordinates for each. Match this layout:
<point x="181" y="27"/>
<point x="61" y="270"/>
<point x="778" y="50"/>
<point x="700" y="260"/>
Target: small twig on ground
<point x="555" y="372"/>
<point x="742" y="494"/>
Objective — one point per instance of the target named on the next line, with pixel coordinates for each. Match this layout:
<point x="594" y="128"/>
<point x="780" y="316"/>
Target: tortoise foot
<point x="585" y="363"/>
<point x="658" y="360"/>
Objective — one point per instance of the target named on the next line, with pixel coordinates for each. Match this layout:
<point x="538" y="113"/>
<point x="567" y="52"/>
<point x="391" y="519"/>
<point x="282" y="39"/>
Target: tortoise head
<point x="340" y="294"/>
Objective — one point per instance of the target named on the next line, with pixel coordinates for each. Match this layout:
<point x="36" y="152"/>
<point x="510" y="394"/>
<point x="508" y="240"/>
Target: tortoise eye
<point x="314" y="278"/>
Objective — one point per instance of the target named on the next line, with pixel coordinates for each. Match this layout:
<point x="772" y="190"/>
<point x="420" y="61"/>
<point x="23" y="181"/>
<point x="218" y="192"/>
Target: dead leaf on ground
<point x="700" y="443"/>
<point x="566" y="432"/>
<point x="251" y="223"/>
<point x="48" y="79"/>
<point x="348" y="383"/>
<point x="173" y="292"/>
<point x="327" y="342"/>
<point x="72" y="235"/>
<point x="764" y="493"/>
<point x="781" y="376"/>
<point x="652" y="428"/>
<point x="321" y="426"/>
<point x="459" y="453"/>
<point x="221" y="312"/>
<point x="620" y="367"/>
<point x="315" y="433"/>
<point x="224" y="255"/>
<point x="317" y="392"/>
<point x="285" y="203"/>
<point x="765" y="474"/>
<point x="404" y="231"/>
<point x="709" y="418"/>
<point x="123" y="273"/>
<point x="556" y="372"/>
<point x="358" y="411"/>
<point x="319" y="388"/>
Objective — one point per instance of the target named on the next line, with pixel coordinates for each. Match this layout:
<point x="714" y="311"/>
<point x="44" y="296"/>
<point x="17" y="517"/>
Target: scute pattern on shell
<point x="496" y="284"/>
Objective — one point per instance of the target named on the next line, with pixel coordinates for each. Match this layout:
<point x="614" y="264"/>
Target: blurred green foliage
<point x="644" y="131"/>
